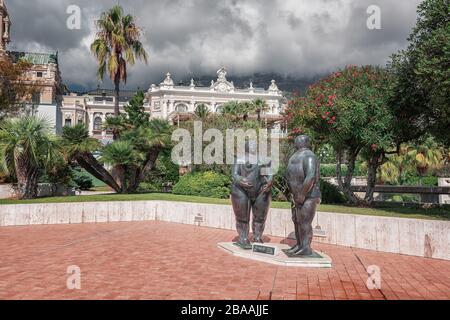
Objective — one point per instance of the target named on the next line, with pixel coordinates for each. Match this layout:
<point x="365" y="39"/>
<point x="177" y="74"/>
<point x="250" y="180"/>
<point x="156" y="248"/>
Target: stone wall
<point x="444" y="198"/>
<point x="424" y="238"/>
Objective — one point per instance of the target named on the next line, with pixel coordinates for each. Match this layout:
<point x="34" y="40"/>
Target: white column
<point x="90" y="119"/>
<point x="103" y="131"/>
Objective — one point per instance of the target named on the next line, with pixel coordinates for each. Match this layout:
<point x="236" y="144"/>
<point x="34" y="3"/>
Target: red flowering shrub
<point x="348" y="109"/>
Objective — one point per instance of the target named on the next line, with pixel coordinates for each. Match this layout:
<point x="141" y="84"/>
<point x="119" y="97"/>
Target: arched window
<point x="98" y="123"/>
<point x="68" y="122"/>
<point x="181" y="108"/>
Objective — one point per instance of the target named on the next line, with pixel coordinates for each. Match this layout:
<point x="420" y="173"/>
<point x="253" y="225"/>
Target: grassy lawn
<point x="387" y="211"/>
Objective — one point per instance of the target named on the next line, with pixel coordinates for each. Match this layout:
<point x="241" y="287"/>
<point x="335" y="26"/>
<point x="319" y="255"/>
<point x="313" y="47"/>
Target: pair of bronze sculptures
<point x="252" y="192"/>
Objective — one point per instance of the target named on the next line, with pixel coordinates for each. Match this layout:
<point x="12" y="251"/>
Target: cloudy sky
<point x="301" y="38"/>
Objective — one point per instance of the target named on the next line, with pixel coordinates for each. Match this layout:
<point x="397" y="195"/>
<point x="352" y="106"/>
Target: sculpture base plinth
<point x="317" y="260"/>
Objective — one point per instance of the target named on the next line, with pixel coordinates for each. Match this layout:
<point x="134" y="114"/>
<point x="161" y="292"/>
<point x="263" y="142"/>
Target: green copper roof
<point x="35" y="58"/>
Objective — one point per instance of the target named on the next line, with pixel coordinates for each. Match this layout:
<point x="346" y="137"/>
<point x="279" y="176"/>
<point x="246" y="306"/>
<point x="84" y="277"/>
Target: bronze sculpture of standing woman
<point x="251" y="192"/>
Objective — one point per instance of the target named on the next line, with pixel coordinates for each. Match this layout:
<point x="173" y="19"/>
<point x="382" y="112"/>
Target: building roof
<point x="111" y="93"/>
<point x="34" y="57"/>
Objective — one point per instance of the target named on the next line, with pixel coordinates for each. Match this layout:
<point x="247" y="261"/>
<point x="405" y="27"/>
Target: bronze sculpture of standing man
<point x="303" y="178"/>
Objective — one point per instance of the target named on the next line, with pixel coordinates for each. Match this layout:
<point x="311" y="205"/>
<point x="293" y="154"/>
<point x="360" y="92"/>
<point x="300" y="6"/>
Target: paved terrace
<point x="156" y="260"/>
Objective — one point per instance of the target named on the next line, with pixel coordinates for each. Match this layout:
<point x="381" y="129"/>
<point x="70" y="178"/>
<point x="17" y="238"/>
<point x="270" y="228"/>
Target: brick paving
<point x="156" y="260"/>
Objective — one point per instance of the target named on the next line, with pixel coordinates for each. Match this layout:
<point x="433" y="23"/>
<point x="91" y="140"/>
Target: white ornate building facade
<point x="170" y="102"/>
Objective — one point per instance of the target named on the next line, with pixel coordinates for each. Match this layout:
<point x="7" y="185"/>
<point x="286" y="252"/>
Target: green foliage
<point x="202" y="112"/>
<point x="165" y="172"/>
<point x="132" y="156"/>
<point x="331" y="194"/>
<point x="347" y="110"/>
<point x="326" y="154"/>
<point x="329" y="170"/>
<point x="59" y="172"/>
<point x="419" y="159"/>
<point x="83" y="180"/>
<point x="136" y="111"/>
<point x="117" y="43"/>
<point x="120" y="153"/>
<point x="75" y="140"/>
<point x="207" y="184"/>
<point x="422" y="90"/>
<point x="148" y="187"/>
<point x="27" y="149"/>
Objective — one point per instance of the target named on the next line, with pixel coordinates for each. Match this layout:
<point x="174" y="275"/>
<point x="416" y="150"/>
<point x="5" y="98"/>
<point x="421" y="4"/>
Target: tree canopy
<point x="349" y="110"/>
<point x="422" y="89"/>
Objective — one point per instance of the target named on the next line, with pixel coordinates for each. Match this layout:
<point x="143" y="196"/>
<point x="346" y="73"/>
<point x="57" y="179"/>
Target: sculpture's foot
<point x="303" y="252"/>
<point x="294" y="249"/>
<point x="258" y="239"/>
<point x="244" y="244"/>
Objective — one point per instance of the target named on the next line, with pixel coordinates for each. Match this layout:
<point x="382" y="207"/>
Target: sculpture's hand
<point x="245" y="184"/>
<point x="267" y="187"/>
<point x="300" y="200"/>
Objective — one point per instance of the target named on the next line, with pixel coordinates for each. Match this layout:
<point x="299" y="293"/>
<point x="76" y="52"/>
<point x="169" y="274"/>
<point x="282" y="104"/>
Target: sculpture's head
<point x="302" y="142"/>
<point x="251" y="147"/>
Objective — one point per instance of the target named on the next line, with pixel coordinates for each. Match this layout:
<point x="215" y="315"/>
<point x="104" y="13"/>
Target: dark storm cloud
<point x="193" y="37"/>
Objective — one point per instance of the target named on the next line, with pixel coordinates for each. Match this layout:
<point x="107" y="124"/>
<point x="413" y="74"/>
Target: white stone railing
<point x="424" y="238"/>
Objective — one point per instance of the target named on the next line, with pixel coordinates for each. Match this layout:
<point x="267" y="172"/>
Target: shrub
<point x="165" y="172"/>
<point x="148" y="187"/>
<point x="83" y="180"/>
<point x="329" y="170"/>
<point x="331" y="194"/>
<point x="206" y="184"/>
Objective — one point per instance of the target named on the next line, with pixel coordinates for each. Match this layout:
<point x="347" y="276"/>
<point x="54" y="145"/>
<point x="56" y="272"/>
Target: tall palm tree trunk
<point x="116" y="102"/>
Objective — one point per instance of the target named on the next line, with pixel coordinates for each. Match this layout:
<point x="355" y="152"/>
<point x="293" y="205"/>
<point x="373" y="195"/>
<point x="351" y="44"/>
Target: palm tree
<point x="149" y="140"/>
<point x="260" y="107"/>
<point x="425" y="156"/>
<point x="79" y="146"/>
<point x="117" y="125"/>
<point x="237" y="110"/>
<point x="393" y="171"/>
<point x="116" y="45"/>
<point x="121" y="155"/>
<point x="202" y="112"/>
<point x="27" y="148"/>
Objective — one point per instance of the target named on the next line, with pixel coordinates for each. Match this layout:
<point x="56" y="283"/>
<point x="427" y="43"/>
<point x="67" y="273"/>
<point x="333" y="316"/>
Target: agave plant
<point x="27" y="148"/>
